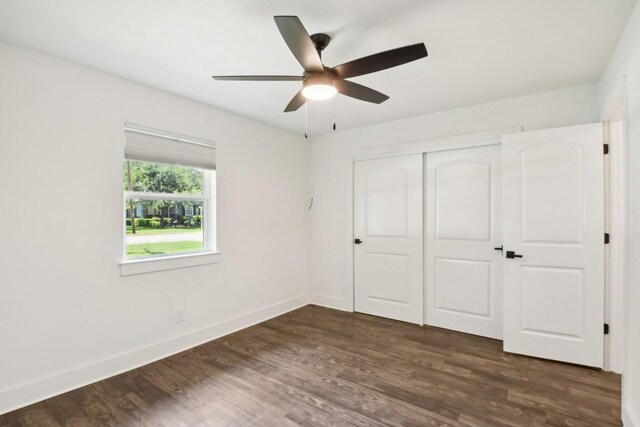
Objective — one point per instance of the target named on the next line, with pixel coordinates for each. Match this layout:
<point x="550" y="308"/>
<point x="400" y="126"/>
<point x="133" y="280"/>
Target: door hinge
<point x="607" y="239"/>
<point x="606" y="329"/>
<point x="606" y="148"/>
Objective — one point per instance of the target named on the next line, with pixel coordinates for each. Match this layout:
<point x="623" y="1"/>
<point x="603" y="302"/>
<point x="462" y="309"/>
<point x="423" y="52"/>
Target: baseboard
<point x="329" y="302"/>
<point x="35" y="391"/>
<point x="628" y="420"/>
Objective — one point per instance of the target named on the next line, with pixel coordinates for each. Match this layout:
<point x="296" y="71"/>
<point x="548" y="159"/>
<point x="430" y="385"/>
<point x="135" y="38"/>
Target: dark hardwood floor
<point x="316" y="366"/>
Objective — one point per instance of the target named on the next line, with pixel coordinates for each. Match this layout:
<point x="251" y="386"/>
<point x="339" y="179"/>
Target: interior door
<point x="463" y="268"/>
<point x="553" y="213"/>
<point x="388" y="237"/>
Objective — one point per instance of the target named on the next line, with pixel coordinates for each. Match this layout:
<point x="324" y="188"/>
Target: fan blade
<point x="363" y="93"/>
<point x="260" y="78"/>
<point x="296" y="102"/>
<point x="299" y="42"/>
<point x="381" y="61"/>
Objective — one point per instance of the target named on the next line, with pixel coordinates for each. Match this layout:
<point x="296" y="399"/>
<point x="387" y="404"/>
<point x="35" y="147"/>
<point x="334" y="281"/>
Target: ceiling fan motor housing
<point x="320" y="41"/>
<point x="318" y="79"/>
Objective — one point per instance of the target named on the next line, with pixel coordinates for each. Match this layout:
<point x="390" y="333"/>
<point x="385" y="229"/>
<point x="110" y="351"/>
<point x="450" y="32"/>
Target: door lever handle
<point x="499" y="249"/>
<point x="512" y="255"/>
<point x="357" y="241"/>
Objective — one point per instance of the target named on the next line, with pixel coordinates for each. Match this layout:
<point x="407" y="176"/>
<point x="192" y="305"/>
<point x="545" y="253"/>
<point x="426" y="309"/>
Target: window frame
<point x="208" y="254"/>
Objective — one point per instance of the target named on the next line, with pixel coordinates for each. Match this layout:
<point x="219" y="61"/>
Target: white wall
<point x="66" y="316"/>
<point x="330" y="282"/>
<point x="626" y="62"/>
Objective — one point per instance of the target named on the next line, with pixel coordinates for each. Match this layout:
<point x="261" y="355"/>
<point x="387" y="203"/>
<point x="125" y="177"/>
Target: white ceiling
<point x="479" y="51"/>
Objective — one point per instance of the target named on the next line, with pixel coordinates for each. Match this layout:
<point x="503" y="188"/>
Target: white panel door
<point x="463" y="269"/>
<point x="388" y="237"/>
<point x="553" y="199"/>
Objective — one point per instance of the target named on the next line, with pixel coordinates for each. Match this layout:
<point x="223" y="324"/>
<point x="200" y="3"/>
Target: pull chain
<point x="334" y="112"/>
<point x="334" y="109"/>
<point x="306" y="119"/>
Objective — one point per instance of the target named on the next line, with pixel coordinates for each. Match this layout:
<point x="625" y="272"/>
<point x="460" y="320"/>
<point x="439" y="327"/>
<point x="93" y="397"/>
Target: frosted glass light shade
<point x="319" y="92"/>
<point x="318" y="88"/>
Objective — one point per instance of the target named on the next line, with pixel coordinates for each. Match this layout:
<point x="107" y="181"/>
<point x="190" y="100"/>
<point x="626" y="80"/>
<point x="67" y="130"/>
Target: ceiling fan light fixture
<point x="320" y="82"/>
<point x="318" y="88"/>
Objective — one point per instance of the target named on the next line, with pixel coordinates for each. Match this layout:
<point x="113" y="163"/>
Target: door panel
<point x="388" y="221"/>
<point x="463" y="228"/>
<point x="383" y="270"/>
<point x="560" y="315"/>
<point x="552" y="216"/>
<point x="386" y="195"/>
<point x="472" y="279"/>
<point x="463" y="187"/>
<point x="553" y="183"/>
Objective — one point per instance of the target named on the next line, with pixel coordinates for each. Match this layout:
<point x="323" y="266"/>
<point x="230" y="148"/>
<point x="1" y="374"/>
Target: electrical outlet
<point x="180" y="315"/>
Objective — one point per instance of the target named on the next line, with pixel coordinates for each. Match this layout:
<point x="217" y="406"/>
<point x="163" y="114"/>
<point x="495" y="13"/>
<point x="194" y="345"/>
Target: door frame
<point x="424" y="146"/>
<point x="616" y="205"/>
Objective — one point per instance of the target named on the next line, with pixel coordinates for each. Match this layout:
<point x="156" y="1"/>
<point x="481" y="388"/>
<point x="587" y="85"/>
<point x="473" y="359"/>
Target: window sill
<point x="150" y="265"/>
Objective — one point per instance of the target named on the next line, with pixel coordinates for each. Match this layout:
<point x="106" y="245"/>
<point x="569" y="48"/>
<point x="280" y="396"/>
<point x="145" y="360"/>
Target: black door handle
<point x="357" y="241"/>
<point x="512" y="255"/>
<point x="499" y="249"/>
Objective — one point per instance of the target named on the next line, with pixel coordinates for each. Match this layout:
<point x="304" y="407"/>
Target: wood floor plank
<point x="321" y="367"/>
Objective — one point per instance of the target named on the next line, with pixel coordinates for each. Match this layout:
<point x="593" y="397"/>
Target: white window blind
<point x="150" y="145"/>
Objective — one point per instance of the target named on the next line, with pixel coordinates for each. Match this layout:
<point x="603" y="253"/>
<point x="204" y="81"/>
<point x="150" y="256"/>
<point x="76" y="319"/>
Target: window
<point x="169" y="187"/>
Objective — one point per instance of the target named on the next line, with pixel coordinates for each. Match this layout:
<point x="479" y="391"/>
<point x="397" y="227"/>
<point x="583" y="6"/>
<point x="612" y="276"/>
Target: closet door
<point x="553" y="182"/>
<point x="463" y="268"/>
<point x="388" y="237"/>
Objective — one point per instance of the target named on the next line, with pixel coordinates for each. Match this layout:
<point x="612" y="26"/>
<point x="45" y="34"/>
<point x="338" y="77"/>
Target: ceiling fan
<point x="320" y="82"/>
